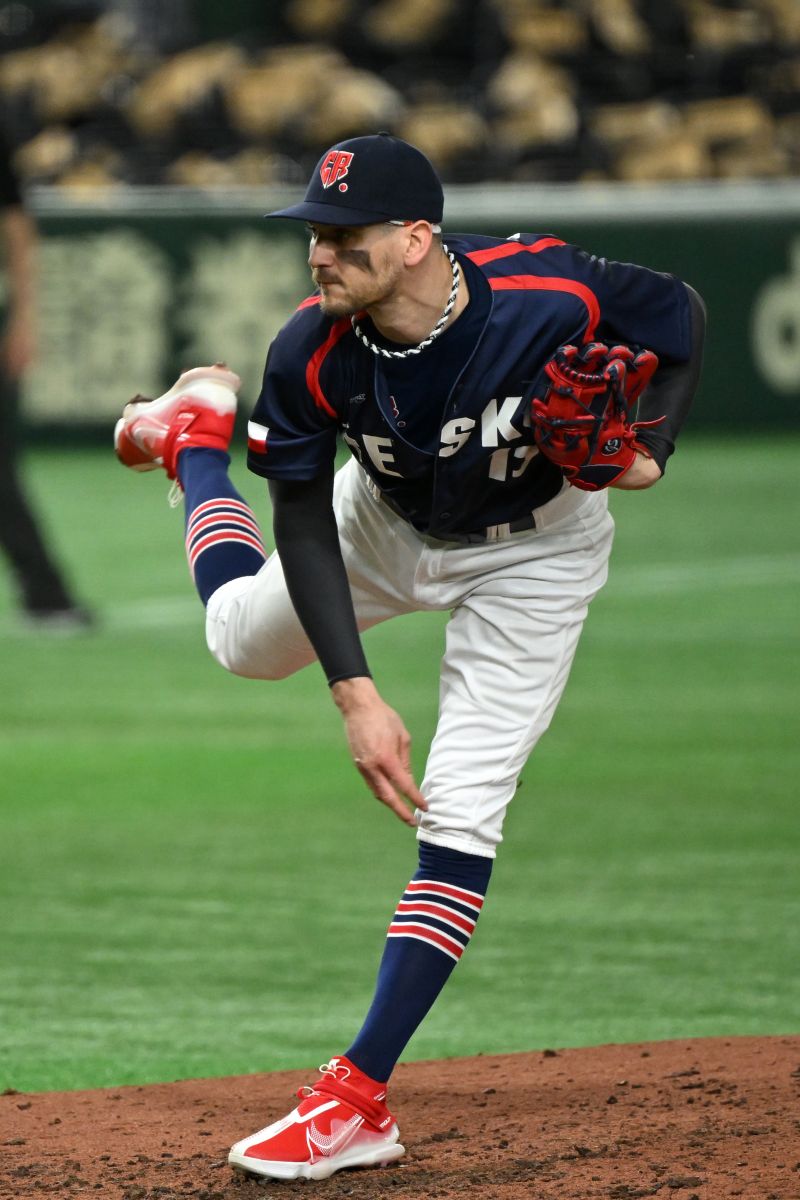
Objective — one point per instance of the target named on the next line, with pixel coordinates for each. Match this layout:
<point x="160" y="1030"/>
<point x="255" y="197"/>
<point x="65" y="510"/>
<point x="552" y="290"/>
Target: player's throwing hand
<point x="380" y="745"/>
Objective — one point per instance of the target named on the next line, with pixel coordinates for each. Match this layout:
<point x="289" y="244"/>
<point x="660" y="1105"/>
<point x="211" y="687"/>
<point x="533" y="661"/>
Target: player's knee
<point x="228" y="633"/>
<point x="252" y="640"/>
<point x="469" y="838"/>
<point x="465" y="814"/>
<point x="241" y="660"/>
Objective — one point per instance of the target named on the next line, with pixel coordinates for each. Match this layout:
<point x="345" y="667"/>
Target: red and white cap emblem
<point x="334" y="167"/>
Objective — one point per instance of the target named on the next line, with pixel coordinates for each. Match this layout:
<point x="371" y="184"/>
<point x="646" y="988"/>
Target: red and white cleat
<point x="340" y="1122"/>
<point x="199" y="410"/>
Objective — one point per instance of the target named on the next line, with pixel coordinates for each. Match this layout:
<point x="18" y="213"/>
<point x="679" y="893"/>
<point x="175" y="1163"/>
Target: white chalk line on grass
<point x="637" y="582"/>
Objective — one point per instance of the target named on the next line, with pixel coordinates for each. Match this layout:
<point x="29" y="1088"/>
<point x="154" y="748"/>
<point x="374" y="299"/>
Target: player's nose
<point x="320" y="254"/>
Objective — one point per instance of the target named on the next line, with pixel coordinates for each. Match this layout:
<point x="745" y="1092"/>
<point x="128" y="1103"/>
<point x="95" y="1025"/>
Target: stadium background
<point x="192" y="879"/>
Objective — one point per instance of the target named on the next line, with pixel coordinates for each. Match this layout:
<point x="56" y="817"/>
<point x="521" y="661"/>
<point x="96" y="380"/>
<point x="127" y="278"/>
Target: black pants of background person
<point x="43" y="592"/>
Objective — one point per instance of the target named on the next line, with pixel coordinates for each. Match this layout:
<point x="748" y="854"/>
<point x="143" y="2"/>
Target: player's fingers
<point x="381" y="787"/>
<point x="405" y="751"/>
<point x="402" y="777"/>
<point x="404" y="782"/>
<point x="388" y="795"/>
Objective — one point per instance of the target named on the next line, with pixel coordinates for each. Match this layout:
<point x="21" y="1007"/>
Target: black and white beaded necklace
<point x="434" y="333"/>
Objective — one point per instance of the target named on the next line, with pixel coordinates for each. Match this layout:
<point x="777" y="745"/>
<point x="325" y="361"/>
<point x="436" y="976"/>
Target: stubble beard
<point x="377" y="282"/>
<point x="338" y="306"/>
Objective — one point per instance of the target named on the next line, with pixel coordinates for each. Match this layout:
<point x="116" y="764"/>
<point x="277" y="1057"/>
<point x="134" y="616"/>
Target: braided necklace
<point x="434" y="333"/>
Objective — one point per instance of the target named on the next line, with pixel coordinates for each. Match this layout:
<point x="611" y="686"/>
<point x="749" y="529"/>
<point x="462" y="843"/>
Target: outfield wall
<point x="140" y="284"/>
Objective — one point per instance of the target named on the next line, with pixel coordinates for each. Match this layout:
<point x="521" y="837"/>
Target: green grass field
<point x="194" y="881"/>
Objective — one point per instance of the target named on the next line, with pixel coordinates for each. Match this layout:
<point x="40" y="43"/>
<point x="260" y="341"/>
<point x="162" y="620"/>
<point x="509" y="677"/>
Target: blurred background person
<point x="45" y="596"/>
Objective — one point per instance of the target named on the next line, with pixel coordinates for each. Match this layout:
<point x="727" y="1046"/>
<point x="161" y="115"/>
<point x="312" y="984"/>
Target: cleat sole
<point x="381" y="1156"/>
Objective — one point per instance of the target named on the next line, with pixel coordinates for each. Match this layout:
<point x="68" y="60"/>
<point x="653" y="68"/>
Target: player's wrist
<point x="355" y="692"/>
<point x="643" y="472"/>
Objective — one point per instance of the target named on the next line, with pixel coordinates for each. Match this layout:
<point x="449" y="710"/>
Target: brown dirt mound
<point x="693" y="1120"/>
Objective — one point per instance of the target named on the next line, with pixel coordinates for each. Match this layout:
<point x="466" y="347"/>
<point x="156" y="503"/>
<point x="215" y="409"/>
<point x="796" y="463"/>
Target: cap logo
<point x="335" y="166"/>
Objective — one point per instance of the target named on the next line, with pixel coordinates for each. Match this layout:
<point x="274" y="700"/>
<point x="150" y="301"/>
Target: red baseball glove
<point x="581" y="410"/>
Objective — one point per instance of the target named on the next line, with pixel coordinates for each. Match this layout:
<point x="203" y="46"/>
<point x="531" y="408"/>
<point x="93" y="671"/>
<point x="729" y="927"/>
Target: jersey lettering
<point x="455" y="434"/>
<point x="380" y="451"/>
<point x="353" y="446"/>
<point x="496" y="424"/>
<point x="542" y="295"/>
<point x="498" y="463"/>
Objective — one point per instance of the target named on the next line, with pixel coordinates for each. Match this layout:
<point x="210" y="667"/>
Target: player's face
<point x="354" y="267"/>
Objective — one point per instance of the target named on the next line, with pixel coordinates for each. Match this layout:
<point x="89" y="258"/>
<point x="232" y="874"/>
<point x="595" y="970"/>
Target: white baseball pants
<point x="518" y="606"/>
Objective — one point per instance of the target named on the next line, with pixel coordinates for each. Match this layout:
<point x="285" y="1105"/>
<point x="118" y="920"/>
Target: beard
<point x="340" y="304"/>
<point x="369" y="283"/>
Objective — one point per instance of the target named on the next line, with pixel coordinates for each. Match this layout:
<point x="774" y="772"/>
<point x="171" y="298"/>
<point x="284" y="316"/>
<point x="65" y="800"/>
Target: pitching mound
<point x="697" y="1120"/>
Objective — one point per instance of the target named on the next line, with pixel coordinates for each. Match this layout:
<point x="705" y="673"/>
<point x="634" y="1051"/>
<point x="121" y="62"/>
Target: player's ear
<point x="419" y="235"/>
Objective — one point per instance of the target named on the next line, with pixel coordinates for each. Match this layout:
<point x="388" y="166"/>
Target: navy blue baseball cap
<point x="367" y="180"/>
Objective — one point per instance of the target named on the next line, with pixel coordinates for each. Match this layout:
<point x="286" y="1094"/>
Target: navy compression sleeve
<point x="307" y="541"/>
<point x="671" y="391"/>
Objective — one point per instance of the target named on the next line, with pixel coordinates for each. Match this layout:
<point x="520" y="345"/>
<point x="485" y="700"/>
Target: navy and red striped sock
<point x="427" y="935"/>
<point x="223" y="540"/>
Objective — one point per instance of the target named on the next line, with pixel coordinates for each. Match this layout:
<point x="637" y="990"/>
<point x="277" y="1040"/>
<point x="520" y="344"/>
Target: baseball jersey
<point x="446" y="435"/>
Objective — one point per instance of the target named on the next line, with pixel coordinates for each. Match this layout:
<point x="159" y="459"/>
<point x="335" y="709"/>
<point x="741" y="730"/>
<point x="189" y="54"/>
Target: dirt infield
<point x="694" y="1120"/>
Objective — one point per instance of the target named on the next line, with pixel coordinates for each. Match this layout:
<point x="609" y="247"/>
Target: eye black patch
<point x="357" y="258"/>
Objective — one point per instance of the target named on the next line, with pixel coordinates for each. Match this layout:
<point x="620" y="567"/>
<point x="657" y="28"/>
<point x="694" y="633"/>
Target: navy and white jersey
<point x="446" y="434"/>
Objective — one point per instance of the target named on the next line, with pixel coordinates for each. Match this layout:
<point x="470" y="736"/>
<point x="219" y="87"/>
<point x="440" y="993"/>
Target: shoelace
<point x="328" y="1068"/>
<point x="434" y="333"/>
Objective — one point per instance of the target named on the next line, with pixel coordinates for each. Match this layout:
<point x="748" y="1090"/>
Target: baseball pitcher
<point x="490" y="391"/>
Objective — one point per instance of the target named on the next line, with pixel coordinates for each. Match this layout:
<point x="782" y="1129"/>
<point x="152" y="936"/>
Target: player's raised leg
<point x="187" y="432"/>
<point x="252" y="628"/>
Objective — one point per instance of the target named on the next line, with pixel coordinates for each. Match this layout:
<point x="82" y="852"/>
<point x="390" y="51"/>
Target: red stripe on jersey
<point x="309" y="303"/>
<point x="440" y="911"/>
<point x="338" y="330"/>
<point x="544" y="244"/>
<point x="425" y="934"/>
<point x="475" y="899"/>
<point x="533" y="284"/>
<point x="479" y="257"/>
